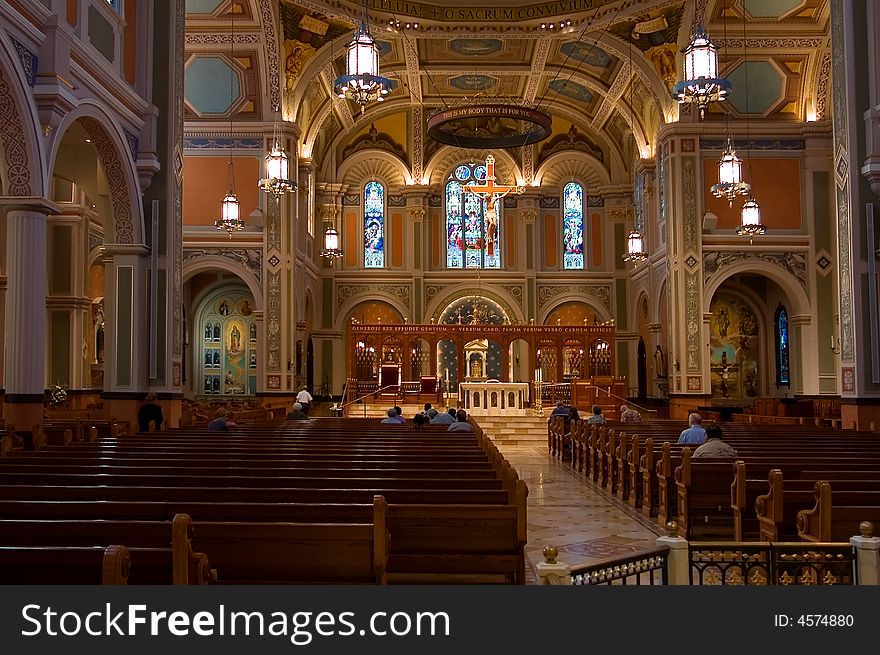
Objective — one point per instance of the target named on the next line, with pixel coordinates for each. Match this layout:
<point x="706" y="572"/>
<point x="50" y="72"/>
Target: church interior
<point x="663" y="203"/>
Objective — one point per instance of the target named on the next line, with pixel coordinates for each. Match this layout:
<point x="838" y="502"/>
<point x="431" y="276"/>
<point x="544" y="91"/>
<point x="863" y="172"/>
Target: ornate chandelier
<point x="362" y="82"/>
<point x="635" y="248"/>
<point x="230" y="215"/>
<point x="277" y="178"/>
<point x="730" y="183"/>
<point x="701" y="84"/>
<point x="331" y="250"/>
<point x="751" y="219"/>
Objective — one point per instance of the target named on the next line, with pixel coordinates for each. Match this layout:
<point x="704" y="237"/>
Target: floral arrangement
<point x="57" y="395"/>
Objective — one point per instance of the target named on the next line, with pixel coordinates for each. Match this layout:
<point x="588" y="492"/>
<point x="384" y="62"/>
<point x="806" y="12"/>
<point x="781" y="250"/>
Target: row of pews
<point x="788" y="483"/>
<point x="322" y="501"/>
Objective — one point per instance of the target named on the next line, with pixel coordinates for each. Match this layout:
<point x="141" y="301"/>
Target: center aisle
<point x="565" y="510"/>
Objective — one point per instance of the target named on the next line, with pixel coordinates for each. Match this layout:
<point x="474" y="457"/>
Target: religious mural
<point x="734" y="348"/>
<point x="228" y="348"/>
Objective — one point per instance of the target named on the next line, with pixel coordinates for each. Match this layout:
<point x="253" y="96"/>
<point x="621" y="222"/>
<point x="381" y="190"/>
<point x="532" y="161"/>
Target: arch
<point x="572" y="164"/>
<point x="786" y="281"/>
<point x="502" y="297"/>
<point x="361" y="167"/>
<point x="209" y="263"/>
<point x="601" y="311"/>
<point x="344" y="312"/>
<point x="445" y="159"/>
<point x="23" y="160"/>
<point x="113" y="152"/>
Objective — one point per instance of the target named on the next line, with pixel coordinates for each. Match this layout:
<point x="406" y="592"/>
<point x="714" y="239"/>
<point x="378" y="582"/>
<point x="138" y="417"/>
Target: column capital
<point x="528" y="215"/>
<point x="416" y="213"/>
<point x="36" y="204"/>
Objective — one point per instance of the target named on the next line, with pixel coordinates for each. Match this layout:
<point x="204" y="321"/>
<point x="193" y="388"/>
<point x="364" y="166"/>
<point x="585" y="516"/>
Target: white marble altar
<point x="493" y="398"/>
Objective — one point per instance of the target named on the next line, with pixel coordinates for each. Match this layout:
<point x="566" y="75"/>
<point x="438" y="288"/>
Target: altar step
<point x="514" y="430"/>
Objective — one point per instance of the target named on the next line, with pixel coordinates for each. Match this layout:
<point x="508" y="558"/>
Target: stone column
<point x="25" y="322"/>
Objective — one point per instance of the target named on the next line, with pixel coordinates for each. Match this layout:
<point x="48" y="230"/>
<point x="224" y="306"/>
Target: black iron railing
<point x="647" y="567"/>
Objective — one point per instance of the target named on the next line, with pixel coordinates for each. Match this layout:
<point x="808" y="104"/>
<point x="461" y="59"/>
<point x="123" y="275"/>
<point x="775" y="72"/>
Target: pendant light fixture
<point x="277" y="178"/>
<point x="750" y="216"/>
<point x="230" y="208"/>
<point x="701" y="84"/>
<point x="635" y="246"/>
<point x="362" y="82"/>
<point x="331" y="250"/>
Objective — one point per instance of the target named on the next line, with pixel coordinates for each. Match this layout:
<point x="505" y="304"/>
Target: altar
<point x="494" y="398"/>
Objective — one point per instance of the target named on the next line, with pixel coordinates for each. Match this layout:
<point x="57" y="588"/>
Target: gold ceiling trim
<point x="489" y="12"/>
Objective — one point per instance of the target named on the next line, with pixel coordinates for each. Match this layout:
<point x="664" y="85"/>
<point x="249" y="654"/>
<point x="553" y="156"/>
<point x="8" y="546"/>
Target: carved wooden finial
<point x="866" y="528"/>
<point x="550" y="554"/>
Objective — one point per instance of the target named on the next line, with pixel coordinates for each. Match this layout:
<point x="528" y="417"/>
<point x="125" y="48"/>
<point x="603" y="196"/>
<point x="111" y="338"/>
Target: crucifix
<point x="491" y="192"/>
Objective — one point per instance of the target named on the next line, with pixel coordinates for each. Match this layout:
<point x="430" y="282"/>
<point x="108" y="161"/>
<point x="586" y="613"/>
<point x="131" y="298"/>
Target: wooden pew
<point x="703" y="489"/>
<point x="161" y="550"/>
<point x="58" y="565"/>
<point x="836" y="516"/>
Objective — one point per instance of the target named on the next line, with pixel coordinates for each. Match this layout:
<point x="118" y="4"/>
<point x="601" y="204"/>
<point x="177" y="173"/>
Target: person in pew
<point x="575" y="416"/>
<point x="461" y="423"/>
<point x="304" y="398"/>
<point x="628" y="415"/>
<point x="432" y="413"/>
<point x="297" y="414"/>
<point x="399" y="412"/>
<point x="445" y="418"/>
<point x="427" y="409"/>
<point x="695" y="434"/>
<point x="390" y="418"/>
<point x="150" y="411"/>
<point x="419" y="421"/>
<point x="220" y="422"/>
<point x="561" y="410"/>
<point x="596" y="417"/>
<point x="714" y="446"/>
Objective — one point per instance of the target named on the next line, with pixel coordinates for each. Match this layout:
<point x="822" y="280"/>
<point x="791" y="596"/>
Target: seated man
<point x="596" y="417"/>
<point x="427" y="409"/>
<point x="432" y="413"/>
<point x="461" y="423"/>
<point x="297" y="414"/>
<point x="399" y="412"/>
<point x="391" y="418"/>
<point x="561" y="410"/>
<point x="695" y="434"/>
<point x="714" y="446"/>
<point x="446" y="418"/>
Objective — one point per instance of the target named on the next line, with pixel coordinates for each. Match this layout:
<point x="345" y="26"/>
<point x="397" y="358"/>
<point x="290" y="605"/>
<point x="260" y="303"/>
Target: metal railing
<point x="624" y="401"/>
<point x="397" y="395"/>
<point x="647" y="567"/>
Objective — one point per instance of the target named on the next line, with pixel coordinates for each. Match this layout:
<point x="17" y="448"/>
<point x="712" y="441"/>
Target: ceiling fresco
<point x="614" y="65"/>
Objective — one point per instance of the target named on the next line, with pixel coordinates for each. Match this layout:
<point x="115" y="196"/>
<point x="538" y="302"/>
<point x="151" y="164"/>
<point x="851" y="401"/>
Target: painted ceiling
<point x="608" y="73"/>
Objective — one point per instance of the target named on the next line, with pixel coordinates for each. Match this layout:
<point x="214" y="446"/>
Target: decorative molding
<point x="528" y="163"/>
<point x="621" y="81"/>
<point x="273" y="223"/>
<point x="176" y="185"/>
<point x="822" y="86"/>
<point x="29" y="61"/>
<point x="514" y="290"/>
<point x="781" y="43"/>
<point x="119" y="191"/>
<point x="18" y="173"/>
<point x="715" y="261"/>
<point x="373" y="139"/>
<point x="251" y="259"/>
<point x="689" y="196"/>
<point x="709" y="143"/>
<point x="400" y="291"/>
<point x="595" y="201"/>
<point x="273" y="320"/>
<point x="432" y="290"/>
<point x="267" y="14"/>
<point x="219" y="143"/>
<point x="692" y="321"/>
<point x="571" y="140"/>
<point x="528" y="216"/>
<point x="418" y="142"/>
<point x="547" y="292"/>
<point x="95" y="240"/>
<point x="219" y="39"/>
<point x="539" y="61"/>
<point x="549" y="202"/>
<point x="351" y="200"/>
<point x="133" y="144"/>
<point x="396" y="201"/>
<point x="347" y="291"/>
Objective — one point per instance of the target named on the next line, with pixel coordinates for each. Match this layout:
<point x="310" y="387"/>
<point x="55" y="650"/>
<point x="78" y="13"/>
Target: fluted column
<point x="25" y="322"/>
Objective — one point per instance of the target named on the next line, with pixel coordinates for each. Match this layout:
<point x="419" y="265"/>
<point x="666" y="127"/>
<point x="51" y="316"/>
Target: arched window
<point x="781" y="331"/>
<point x="470" y="242"/>
<point x="374" y="225"/>
<point x="573" y="226"/>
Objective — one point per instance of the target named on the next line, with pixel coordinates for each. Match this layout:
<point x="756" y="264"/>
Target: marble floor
<point x="582" y="520"/>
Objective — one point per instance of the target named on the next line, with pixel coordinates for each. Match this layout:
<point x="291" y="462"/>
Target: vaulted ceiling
<point x="603" y="71"/>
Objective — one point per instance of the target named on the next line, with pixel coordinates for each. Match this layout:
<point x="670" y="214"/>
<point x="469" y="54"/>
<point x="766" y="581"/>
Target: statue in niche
<point x="660" y="363"/>
<point x="476" y="368"/>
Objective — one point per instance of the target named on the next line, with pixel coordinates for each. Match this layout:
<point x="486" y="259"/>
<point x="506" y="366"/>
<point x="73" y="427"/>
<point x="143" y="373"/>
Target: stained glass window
<point x="470" y="242"/>
<point x="783" y="376"/>
<point x="573" y="226"/>
<point x="374" y="225"/>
